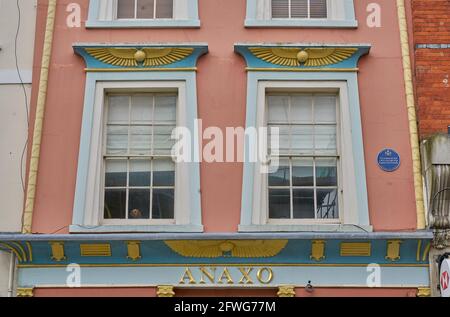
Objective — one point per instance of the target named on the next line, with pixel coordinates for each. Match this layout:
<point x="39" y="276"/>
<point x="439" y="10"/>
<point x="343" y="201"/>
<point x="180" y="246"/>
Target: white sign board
<point x="444" y="278"/>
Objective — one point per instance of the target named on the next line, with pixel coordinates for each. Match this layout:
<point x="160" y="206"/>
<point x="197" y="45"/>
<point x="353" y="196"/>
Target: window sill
<point x="305" y="228"/>
<point x="140" y="228"/>
<point x="143" y="24"/>
<point x="301" y="23"/>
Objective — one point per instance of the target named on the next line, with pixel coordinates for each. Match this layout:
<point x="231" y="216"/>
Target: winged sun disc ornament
<point x="309" y="57"/>
<point x="233" y="248"/>
<point x="133" y="57"/>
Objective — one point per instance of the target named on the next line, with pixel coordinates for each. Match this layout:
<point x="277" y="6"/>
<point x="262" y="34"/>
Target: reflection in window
<point x="305" y="186"/>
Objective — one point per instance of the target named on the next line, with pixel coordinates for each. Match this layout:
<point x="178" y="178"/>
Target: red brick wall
<point x="431" y="22"/>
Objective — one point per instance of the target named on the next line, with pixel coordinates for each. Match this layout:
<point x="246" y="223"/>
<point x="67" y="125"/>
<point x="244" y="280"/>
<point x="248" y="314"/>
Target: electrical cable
<point x="19" y="22"/>
<point x="22" y="157"/>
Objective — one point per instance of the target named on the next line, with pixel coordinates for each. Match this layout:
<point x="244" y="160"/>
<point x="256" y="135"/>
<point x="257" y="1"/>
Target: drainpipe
<point x="12" y="266"/>
<point x="410" y="103"/>
<point x="39" y="120"/>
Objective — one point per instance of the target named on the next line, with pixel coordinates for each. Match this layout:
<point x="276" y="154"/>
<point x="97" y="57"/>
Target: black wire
<point x="24" y="93"/>
<point x="60" y="229"/>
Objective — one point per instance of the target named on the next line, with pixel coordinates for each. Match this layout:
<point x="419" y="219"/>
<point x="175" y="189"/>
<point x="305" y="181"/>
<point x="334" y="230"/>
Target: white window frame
<point x="176" y="7"/>
<point x="103" y="14"/>
<point x="348" y="212"/>
<point x="265" y="206"/>
<point x="341" y="14"/>
<point x="95" y="189"/>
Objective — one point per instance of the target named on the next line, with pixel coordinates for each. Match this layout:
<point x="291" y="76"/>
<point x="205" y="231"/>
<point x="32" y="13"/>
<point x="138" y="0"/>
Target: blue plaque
<point x="388" y="160"/>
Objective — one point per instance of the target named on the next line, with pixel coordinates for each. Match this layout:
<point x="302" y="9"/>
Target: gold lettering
<point x="187" y="275"/>
<point x="260" y="275"/>
<point x="245" y="275"/>
<point x="210" y="275"/>
<point x="226" y="274"/>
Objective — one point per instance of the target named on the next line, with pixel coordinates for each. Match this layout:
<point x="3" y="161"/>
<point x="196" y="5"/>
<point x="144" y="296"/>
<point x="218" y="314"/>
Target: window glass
<point x="139" y="171"/>
<point x="144" y="9"/>
<point x="125" y="9"/>
<point x="305" y="186"/>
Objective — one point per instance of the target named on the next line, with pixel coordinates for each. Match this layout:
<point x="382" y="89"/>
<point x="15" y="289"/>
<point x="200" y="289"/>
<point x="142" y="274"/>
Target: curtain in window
<point x="299" y="9"/>
<point x="280" y="9"/>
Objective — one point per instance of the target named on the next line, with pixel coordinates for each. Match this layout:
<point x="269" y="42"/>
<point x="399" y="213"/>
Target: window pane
<point x="284" y="139"/>
<point x="302" y="172"/>
<point x="116" y="173"/>
<point x="325" y="109"/>
<point x="327" y="204"/>
<point x="163" y="173"/>
<point x="145" y="9"/>
<point x="118" y="109"/>
<point x="278" y="109"/>
<point x="301" y="109"/>
<point x="302" y="140"/>
<point x="279" y="204"/>
<point x="139" y="204"/>
<point x="326" y="172"/>
<point x="325" y="139"/>
<point x="162" y="139"/>
<point x="117" y="140"/>
<point x="140" y="173"/>
<point x="273" y="139"/>
<point x="318" y="9"/>
<point x="163" y="204"/>
<point x="280" y="9"/>
<point x="303" y="203"/>
<point x="164" y="9"/>
<point x="299" y="9"/>
<point x="142" y="109"/>
<point x="115" y="203"/>
<point x="141" y="140"/>
<point x="166" y="109"/>
<point x="125" y="9"/>
<point x="282" y="176"/>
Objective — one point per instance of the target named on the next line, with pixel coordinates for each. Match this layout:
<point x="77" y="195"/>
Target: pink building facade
<point x="339" y="217"/>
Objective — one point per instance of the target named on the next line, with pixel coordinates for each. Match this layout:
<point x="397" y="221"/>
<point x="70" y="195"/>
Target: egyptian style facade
<point x="109" y="212"/>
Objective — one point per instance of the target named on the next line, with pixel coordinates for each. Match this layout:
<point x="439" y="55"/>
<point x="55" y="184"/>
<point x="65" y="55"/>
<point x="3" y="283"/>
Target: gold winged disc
<point x="132" y="57"/>
<point x="310" y="57"/>
<point x="218" y="248"/>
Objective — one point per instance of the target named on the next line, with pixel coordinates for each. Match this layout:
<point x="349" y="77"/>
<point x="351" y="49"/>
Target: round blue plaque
<point x="388" y="160"/>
